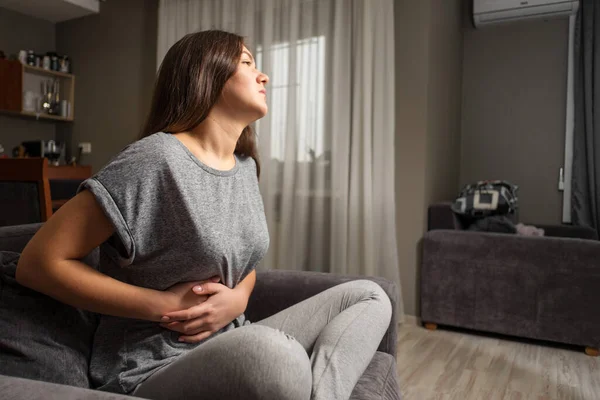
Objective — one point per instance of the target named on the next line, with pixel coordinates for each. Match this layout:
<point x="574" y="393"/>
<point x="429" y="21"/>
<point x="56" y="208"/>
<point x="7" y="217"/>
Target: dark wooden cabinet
<point x="11" y="85"/>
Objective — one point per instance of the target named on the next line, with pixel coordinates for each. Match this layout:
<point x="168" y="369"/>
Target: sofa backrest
<point x="441" y="216"/>
<point x="15" y="238"/>
<point x="40" y="337"/>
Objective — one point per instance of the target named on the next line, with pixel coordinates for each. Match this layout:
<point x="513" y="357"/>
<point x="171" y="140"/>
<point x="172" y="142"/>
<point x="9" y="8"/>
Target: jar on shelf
<point x="46" y="62"/>
<point x="23" y="56"/>
<point x="53" y="61"/>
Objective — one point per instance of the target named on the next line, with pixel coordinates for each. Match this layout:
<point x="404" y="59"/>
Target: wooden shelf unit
<point x="31" y="114"/>
<point x="46" y="72"/>
<point x="16" y="78"/>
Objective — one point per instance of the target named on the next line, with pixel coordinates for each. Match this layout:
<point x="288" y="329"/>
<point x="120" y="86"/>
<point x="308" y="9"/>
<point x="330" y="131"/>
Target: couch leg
<point x="430" y="326"/>
<point x="591" y="351"/>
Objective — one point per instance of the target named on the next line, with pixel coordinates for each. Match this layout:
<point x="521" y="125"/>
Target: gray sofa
<point x="544" y="288"/>
<point x="21" y="378"/>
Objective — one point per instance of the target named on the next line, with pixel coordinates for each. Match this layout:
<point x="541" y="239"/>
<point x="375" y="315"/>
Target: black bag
<point x="486" y="198"/>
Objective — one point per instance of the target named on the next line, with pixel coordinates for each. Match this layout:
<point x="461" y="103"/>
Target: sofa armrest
<point x="276" y="290"/>
<point x="19" y="388"/>
<point x="568" y="231"/>
<point x="15" y="237"/>
<point x="531" y="286"/>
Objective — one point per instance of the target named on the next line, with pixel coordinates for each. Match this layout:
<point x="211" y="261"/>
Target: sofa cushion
<point x="379" y="381"/>
<point x="41" y="338"/>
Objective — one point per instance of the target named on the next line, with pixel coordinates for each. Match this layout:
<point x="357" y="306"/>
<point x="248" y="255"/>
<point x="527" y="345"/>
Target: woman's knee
<point x="252" y="362"/>
<point x="370" y="290"/>
<point x="281" y="367"/>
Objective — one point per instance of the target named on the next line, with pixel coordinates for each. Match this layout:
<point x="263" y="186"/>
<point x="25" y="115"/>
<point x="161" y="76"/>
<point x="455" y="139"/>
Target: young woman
<point x="180" y="224"/>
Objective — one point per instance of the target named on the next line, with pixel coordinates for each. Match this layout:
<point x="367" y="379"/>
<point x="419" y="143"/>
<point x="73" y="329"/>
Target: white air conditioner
<point x="487" y="12"/>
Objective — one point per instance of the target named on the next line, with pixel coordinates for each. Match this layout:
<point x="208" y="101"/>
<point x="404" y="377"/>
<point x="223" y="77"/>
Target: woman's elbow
<point x="21" y="274"/>
<point x="28" y="267"/>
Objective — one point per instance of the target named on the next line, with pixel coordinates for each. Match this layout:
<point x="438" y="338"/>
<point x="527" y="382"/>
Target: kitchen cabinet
<point x="21" y="92"/>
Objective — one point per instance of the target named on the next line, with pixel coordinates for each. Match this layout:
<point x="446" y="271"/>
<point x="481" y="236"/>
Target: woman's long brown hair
<point x="190" y="80"/>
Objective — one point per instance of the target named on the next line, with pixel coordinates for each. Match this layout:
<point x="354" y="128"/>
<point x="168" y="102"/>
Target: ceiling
<point x="53" y="10"/>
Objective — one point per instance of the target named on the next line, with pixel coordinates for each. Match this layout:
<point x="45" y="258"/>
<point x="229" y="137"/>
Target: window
<point x="305" y="77"/>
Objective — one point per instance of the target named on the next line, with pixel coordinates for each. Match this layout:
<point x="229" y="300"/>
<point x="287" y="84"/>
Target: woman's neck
<point x="213" y="142"/>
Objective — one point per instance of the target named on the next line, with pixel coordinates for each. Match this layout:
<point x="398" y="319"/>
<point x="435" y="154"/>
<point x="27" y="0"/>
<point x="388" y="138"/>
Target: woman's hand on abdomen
<point x="181" y="296"/>
<point x="220" y="306"/>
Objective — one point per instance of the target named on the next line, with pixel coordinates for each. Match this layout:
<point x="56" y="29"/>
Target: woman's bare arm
<point x="246" y="286"/>
<point x="50" y="264"/>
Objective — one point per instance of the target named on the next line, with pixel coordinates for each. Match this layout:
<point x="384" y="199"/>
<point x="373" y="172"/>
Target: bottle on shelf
<point x="30" y="58"/>
<point x="56" y="100"/>
<point x="51" y="97"/>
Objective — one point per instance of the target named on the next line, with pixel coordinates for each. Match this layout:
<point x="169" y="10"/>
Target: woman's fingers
<point x="189" y="327"/>
<point x="189" y="314"/>
<point x="208" y="288"/>
<point x="192" y="331"/>
<point x="195" y="338"/>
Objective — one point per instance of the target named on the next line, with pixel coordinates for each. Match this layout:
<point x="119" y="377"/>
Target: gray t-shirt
<point x="176" y="220"/>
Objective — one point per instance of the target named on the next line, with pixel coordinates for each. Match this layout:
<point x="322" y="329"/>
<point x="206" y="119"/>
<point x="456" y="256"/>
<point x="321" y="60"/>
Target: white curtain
<point x="327" y="144"/>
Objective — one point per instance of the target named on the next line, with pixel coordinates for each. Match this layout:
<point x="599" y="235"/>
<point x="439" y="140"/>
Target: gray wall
<point x="412" y="70"/>
<point x="21" y="32"/>
<point x="428" y="92"/>
<point x="114" y="60"/>
<point x="444" y="103"/>
<point x="513" y="117"/>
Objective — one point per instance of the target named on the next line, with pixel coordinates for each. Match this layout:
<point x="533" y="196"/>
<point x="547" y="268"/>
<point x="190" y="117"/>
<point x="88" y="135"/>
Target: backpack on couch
<point x="486" y="198"/>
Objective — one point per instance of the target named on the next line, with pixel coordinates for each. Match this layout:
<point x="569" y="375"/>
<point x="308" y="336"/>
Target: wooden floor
<point x="445" y="364"/>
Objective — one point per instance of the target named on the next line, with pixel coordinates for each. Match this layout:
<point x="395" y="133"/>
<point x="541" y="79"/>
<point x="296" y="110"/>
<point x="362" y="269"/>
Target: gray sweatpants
<point x="316" y="349"/>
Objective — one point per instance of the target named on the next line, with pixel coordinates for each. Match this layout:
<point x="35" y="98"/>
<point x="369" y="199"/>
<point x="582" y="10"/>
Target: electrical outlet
<point x="86" y="147"/>
<point x="561" y="179"/>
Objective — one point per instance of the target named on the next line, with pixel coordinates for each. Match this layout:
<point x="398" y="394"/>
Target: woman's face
<point x="244" y="93"/>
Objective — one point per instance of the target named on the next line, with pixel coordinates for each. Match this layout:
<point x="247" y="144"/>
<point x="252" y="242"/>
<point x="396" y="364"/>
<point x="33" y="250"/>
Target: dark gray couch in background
<point x="544" y="288"/>
<point x="274" y="291"/>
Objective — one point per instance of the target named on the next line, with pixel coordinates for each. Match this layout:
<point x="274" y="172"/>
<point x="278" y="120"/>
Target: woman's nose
<point x="263" y="78"/>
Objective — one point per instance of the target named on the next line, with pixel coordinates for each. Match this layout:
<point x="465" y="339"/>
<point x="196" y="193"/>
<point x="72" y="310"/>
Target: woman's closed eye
<point x="249" y="63"/>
